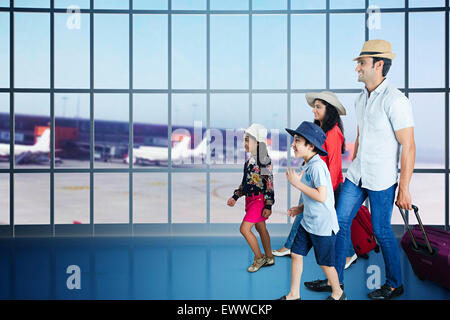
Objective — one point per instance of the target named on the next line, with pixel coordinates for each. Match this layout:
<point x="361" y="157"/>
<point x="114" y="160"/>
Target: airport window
<point x="72" y="51"/>
<point x="426" y="30"/>
<point x="269" y="51"/>
<point x="111" y="61"/>
<point x="4" y="54"/>
<point x="150" y="52"/>
<point x="348" y="29"/>
<point x="229" y="52"/>
<point x="31" y="50"/>
<point x="168" y="81"/>
<point x="308" y="38"/>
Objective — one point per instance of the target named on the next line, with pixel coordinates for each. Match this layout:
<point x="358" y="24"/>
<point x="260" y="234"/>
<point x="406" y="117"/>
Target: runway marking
<point x="75" y="188"/>
<point x="157" y="183"/>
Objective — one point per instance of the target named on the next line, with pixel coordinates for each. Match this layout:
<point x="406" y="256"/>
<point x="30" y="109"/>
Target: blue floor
<point x="182" y="268"/>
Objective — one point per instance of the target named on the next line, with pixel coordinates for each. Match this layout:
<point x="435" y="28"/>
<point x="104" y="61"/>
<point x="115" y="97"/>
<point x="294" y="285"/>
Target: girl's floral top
<point x="257" y="180"/>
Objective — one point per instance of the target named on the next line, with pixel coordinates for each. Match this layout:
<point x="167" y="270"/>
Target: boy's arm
<point x="318" y="194"/>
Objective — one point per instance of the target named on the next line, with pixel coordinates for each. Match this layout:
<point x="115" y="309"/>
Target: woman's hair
<point x="331" y="118"/>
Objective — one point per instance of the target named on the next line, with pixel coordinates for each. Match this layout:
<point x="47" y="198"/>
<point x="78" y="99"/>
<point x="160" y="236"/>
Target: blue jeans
<point x="298" y="218"/>
<point x="381" y="204"/>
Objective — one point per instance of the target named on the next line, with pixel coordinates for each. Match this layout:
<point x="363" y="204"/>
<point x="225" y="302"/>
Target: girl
<point x="327" y="111"/>
<point x="257" y="186"/>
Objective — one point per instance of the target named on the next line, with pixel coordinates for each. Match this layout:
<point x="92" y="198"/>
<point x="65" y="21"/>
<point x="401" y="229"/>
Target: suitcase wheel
<point x="377" y="248"/>
<point x="364" y="256"/>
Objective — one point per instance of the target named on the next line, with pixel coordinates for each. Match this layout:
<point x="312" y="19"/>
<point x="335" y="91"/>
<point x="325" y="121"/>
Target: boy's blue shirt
<point x="319" y="218"/>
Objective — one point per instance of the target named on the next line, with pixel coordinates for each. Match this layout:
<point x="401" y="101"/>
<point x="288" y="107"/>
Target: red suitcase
<point x="428" y="251"/>
<point x="363" y="238"/>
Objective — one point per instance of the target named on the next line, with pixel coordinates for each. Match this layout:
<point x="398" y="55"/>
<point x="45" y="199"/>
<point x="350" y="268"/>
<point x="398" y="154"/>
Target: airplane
<point x="157" y="155"/>
<point x="26" y="152"/>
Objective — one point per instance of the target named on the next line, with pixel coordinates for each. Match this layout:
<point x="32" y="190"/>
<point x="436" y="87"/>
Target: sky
<point x="229" y="61"/>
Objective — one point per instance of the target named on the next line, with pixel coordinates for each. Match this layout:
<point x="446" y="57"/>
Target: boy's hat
<point x="327" y="96"/>
<point x="376" y="49"/>
<point x="257" y="131"/>
<point x="311" y="132"/>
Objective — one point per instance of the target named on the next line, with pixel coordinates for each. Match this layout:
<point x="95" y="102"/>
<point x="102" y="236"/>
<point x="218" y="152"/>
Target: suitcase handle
<point x="416" y="212"/>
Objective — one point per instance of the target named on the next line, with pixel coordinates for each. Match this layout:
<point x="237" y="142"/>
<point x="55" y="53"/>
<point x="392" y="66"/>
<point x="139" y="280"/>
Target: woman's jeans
<point x="381" y="205"/>
<point x="298" y="218"/>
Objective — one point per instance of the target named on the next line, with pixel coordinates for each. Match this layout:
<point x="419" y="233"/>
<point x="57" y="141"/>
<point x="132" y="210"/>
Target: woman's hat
<point x="257" y="131"/>
<point x="376" y="49"/>
<point x="327" y="96"/>
<point x="311" y="132"/>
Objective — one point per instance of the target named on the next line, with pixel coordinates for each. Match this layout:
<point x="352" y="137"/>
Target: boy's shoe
<point x="343" y="297"/>
<point x="269" y="261"/>
<point x="284" y="298"/>
<point x="320" y="285"/>
<point x="385" y="293"/>
<point x="257" y="264"/>
<point x="281" y="253"/>
<point x="352" y="261"/>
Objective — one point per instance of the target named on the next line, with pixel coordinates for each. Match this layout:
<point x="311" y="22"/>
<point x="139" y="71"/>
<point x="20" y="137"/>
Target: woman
<point x="327" y="111"/>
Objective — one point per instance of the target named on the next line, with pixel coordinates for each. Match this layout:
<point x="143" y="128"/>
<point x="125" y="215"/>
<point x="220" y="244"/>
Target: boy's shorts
<point x="323" y="246"/>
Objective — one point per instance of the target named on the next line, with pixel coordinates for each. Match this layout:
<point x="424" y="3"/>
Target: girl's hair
<point x="331" y="118"/>
<point x="262" y="155"/>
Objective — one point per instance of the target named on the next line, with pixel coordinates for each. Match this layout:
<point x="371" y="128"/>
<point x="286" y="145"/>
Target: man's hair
<point x="386" y="66"/>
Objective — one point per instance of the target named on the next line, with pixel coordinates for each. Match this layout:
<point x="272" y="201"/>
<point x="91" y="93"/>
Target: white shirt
<point x="379" y="116"/>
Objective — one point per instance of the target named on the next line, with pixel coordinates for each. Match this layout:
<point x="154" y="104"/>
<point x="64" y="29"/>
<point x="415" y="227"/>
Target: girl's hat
<point x="377" y="49"/>
<point x="257" y="131"/>
<point x="311" y="132"/>
<point x="327" y="96"/>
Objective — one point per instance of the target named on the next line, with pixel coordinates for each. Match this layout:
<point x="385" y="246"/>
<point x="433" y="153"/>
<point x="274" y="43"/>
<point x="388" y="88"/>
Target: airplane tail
<point x="43" y="142"/>
<point x="182" y="147"/>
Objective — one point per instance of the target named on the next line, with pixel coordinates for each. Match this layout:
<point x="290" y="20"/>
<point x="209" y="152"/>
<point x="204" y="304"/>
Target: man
<point x="385" y="122"/>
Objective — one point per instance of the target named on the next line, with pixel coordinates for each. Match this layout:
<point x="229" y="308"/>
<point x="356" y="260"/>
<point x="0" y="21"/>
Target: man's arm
<point x="355" y="149"/>
<point x="408" y="157"/>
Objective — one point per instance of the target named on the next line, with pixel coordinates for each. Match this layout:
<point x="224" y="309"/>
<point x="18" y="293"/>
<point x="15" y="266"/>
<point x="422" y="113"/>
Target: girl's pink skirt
<point x="254" y="206"/>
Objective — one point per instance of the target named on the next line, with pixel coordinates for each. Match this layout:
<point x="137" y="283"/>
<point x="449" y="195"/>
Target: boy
<point x="319" y="224"/>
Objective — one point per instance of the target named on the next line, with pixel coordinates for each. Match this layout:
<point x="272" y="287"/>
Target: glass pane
<point x="4" y="200"/>
<point x="308" y="55"/>
<point x="111" y="35"/>
<point x="390" y="27"/>
<point x="32" y="136"/>
<point x="426" y="3"/>
<point x="150" y="136"/>
<point x="308" y="4"/>
<point x="111" y="4"/>
<point x="81" y="4"/>
<point x="229" y="5"/>
<point x="222" y="186"/>
<point x="4" y="53"/>
<point x="269" y="51"/>
<point x="32" y="50"/>
<point x="275" y="121"/>
<point x="346" y="40"/>
<point x="347" y="4"/>
<point x="111" y="194"/>
<point x="72" y="55"/>
<point x="229" y="52"/>
<point x="32" y="198"/>
<point x="150" y="198"/>
<point x="189" y="197"/>
<point x="429" y="131"/>
<point x="387" y="3"/>
<point x="4" y="131"/>
<point x="150" y="51"/>
<point x="229" y="114"/>
<point x="427" y="66"/>
<point x="111" y="130"/>
<point x="72" y="130"/>
<point x="188" y="5"/>
<point x="188" y="126"/>
<point x="269" y="4"/>
<point x="72" y="198"/>
<point x="4" y="3"/>
<point x="189" y="51"/>
<point x="32" y="3"/>
<point x="430" y="201"/>
<point x="150" y="5"/>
